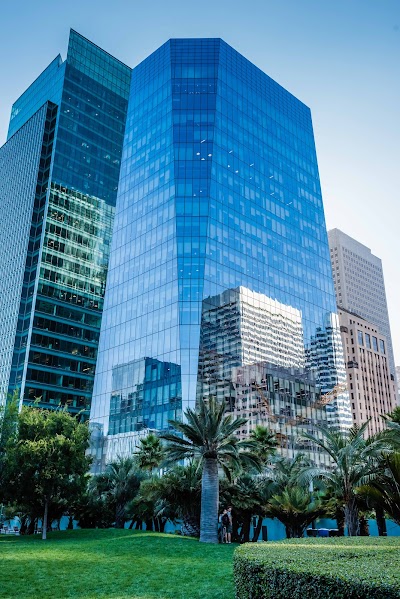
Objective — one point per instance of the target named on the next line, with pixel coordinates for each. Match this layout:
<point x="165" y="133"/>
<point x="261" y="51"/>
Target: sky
<point x="340" y="57"/>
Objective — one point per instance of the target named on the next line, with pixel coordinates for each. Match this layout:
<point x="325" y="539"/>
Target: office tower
<point x="372" y="389"/>
<point x="219" y="196"/>
<point x="359" y="284"/>
<point x="59" y="178"/>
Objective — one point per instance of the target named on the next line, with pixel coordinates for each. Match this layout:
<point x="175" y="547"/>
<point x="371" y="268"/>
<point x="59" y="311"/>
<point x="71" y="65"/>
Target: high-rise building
<point x="219" y="196"/>
<point x="372" y="389"/>
<point x="59" y="173"/>
<point x="359" y="284"/>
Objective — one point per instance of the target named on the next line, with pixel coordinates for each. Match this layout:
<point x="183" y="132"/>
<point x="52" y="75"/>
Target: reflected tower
<point x="219" y="241"/>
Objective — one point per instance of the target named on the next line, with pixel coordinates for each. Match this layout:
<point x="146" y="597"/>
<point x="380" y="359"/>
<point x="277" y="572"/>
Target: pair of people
<point x="226" y="525"/>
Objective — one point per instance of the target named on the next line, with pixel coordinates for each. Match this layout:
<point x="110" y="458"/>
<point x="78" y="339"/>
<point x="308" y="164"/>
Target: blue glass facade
<point x="23" y="179"/>
<point x="219" y="263"/>
<point x="56" y="341"/>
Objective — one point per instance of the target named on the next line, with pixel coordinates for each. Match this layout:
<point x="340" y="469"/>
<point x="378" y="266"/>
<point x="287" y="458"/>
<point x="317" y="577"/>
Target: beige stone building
<point x="372" y="390"/>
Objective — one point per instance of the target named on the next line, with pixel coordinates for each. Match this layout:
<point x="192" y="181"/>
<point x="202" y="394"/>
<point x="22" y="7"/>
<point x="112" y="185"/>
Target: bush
<point x="335" y="568"/>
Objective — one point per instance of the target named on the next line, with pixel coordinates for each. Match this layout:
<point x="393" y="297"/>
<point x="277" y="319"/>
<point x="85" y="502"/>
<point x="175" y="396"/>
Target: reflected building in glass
<point x="219" y="268"/>
<point x="59" y="177"/>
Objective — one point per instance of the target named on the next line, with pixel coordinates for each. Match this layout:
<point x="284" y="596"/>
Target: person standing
<point x="225" y="521"/>
<point x="229" y="526"/>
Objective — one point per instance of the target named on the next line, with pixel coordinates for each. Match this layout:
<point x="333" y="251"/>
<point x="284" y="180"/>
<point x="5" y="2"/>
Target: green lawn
<point x="115" y="564"/>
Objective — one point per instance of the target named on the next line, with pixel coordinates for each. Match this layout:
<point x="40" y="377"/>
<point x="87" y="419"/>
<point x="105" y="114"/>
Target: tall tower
<point x="359" y="284"/>
<point x="219" y="196"/>
<point x="372" y="390"/>
<point x="59" y="178"/>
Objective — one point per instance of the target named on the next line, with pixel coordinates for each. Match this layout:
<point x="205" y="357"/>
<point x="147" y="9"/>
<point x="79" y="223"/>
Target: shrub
<point x="334" y="568"/>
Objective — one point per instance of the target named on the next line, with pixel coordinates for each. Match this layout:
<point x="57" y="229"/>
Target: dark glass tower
<point x="219" y="279"/>
<point x="75" y="114"/>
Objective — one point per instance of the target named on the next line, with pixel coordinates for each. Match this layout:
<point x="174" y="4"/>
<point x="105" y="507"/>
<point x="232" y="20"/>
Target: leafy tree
<point x="151" y="453"/>
<point x="209" y="436"/>
<point x="8" y="431"/>
<point x="355" y="462"/>
<point x="47" y="462"/>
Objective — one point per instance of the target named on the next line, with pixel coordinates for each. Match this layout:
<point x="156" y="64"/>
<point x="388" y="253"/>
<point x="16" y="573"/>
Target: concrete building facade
<point x="371" y="387"/>
<point x="359" y="284"/>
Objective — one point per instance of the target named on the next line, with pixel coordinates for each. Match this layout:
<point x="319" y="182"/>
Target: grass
<point x="116" y="564"/>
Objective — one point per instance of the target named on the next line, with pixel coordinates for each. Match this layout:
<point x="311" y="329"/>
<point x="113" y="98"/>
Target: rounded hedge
<point x="331" y="568"/>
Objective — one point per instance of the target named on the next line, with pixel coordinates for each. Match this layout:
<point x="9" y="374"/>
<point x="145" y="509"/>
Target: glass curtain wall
<point x="220" y="263"/>
<point x="23" y="184"/>
<point x="91" y="88"/>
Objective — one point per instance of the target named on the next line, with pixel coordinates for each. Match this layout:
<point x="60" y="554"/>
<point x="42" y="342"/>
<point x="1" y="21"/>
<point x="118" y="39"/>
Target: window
<point x="360" y="338"/>
<point x="382" y="346"/>
<point x="375" y="343"/>
<point x="368" y="340"/>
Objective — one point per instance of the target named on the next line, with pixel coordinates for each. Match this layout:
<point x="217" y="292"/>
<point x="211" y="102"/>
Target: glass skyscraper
<point x="219" y="278"/>
<point x="58" y="185"/>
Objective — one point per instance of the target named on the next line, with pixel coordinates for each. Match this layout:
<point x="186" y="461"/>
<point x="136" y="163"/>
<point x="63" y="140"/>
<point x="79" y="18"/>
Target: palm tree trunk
<point x="289" y="531"/>
<point x="209" y="502"/>
<point x="364" y="528"/>
<point x="119" y="516"/>
<point x="31" y="526"/>
<point x="351" y="517"/>
<point x="246" y="528"/>
<point x="340" y="520"/>
<point x="24" y="525"/>
<point x="149" y="524"/>
<point x="380" y="521"/>
<point x="257" y="529"/>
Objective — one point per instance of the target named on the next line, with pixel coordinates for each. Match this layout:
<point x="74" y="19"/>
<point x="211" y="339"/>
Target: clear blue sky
<point x="340" y="57"/>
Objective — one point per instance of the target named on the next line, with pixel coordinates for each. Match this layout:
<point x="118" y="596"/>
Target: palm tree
<point x="296" y="509"/>
<point x="118" y="485"/>
<point x="285" y="471"/>
<point x="392" y="433"/>
<point x="151" y="453"/>
<point x="247" y="494"/>
<point x="288" y="499"/>
<point x="174" y="496"/>
<point x="355" y="462"/>
<point x="209" y="436"/>
<point x="384" y="491"/>
<point x="266" y="443"/>
<point x="395" y="415"/>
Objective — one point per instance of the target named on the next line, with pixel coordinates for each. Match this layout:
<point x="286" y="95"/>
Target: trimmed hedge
<point x="333" y="568"/>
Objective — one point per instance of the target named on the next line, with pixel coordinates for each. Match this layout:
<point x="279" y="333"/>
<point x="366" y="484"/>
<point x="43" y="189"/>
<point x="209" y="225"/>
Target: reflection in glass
<point x="219" y="259"/>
